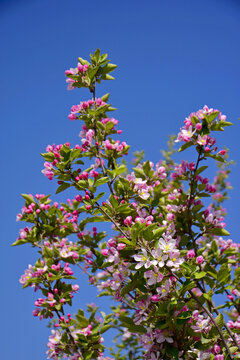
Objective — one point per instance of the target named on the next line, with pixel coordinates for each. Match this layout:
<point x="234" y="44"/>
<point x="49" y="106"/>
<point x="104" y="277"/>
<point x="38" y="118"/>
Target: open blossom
<point x="142" y="188"/>
<point x="163" y="335"/>
<point x="153" y="277"/>
<point x="174" y="259"/>
<point x="159" y="258"/>
<point x="48" y="170"/>
<point x="185" y="134"/>
<point x="27" y="275"/>
<point x="164" y="289"/>
<point x="167" y="246"/>
<point x="202" y="140"/>
<point x="201" y="324"/>
<point x="143" y="260"/>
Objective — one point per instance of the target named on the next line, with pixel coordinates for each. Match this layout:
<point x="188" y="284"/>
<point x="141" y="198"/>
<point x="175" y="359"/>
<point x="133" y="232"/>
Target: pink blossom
<point x="159" y="258"/>
<point x="191" y="254"/>
<point x="222" y="152"/>
<point x="202" y="140"/>
<point x="198" y="126"/>
<point x="153" y="277"/>
<point x="128" y="220"/>
<point x="199" y="259"/>
<point x="219" y="357"/>
<point x="143" y="260"/>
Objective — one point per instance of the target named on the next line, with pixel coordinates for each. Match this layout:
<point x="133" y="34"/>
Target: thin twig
<point x="113" y="221"/>
<point x="98" y="150"/>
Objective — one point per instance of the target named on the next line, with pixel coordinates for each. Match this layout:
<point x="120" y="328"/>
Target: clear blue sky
<point x="173" y="57"/>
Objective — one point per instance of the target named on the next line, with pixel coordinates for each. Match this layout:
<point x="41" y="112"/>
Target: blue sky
<point x="173" y="57"/>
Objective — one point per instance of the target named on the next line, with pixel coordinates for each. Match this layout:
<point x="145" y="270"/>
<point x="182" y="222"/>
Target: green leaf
<point x="158" y="232"/>
<point x="172" y="351"/>
<point x="62" y="187"/>
<point x="199" y="275"/>
<point x="48" y="156"/>
<point x="109" y="126"/>
<point x="194" y="119"/>
<point x="201" y="169"/>
<point x="215" y="157"/>
<point x="83" y="322"/>
<point x="225" y="123"/>
<point x="129" y="287"/>
<point x="75" y="154"/>
<point x="233" y="349"/>
<point x="93" y="72"/>
<point x="97" y="54"/>
<point x="108" y="77"/>
<point x="124" y="209"/>
<point x="113" y="201"/>
<point x="223" y="273"/>
<point x="185" y="146"/>
<point x="88" y="355"/>
<point x="28" y="198"/>
<point x="105" y="97"/>
<point x="128" y="322"/>
<point x="83" y="62"/>
<point x="105" y="328"/>
<point x="20" y="242"/>
<point x="219" y="231"/>
<point x="203" y="194"/>
<point x="147" y="167"/>
<point x="101" y="181"/>
<point x="108" y="68"/>
<point x="99" y="196"/>
<point x="121" y="169"/>
<point x="188" y="285"/>
<point x="214" y="246"/>
<point x="220" y="320"/>
<point x="185" y="315"/>
<point x="88" y="220"/>
<point x="139" y="172"/>
<point x="211" y="116"/>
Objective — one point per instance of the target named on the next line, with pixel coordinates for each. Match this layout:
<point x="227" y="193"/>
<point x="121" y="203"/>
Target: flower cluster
<point x="167" y="257"/>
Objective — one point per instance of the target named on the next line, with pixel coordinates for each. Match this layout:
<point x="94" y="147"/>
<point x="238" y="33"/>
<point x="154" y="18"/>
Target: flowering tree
<point x="167" y="257"/>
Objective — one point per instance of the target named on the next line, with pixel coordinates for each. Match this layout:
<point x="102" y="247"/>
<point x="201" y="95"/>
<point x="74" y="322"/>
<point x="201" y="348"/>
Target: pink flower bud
<point x="85" y="104"/>
<point x="104" y="252"/>
<point x="199" y="259"/>
<point x="191" y="254"/>
<point x="80" y="67"/>
<point x="121" y="246"/>
<point x="155" y="298"/>
<point x="128" y="220"/>
<point x="198" y="126"/>
<point x="170" y="216"/>
<point x="85" y="175"/>
<point x="72" y="117"/>
<point x="78" y="198"/>
<point x="216" y="349"/>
